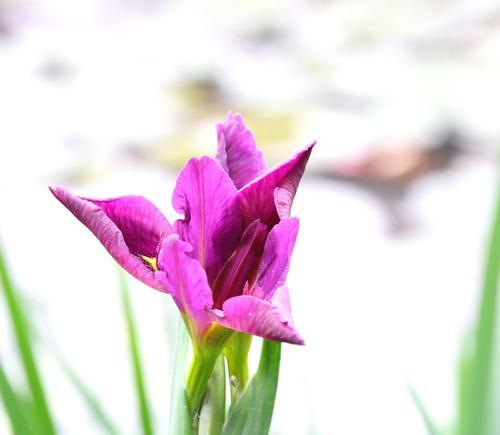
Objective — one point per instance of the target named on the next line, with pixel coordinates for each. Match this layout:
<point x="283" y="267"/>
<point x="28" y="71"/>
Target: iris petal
<point x="129" y="228"/>
<point x="237" y="152"/>
<point x="187" y="282"/>
<point x="265" y="319"/>
<point x="269" y="197"/>
<point x="206" y="196"/>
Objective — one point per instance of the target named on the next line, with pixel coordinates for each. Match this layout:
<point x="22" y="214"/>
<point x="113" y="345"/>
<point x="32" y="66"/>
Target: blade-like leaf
<point x="213" y="410"/>
<point x="476" y="395"/>
<point x="93" y="404"/>
<point x="180" y="416"/>
<point x="24" y="345"/>
<point x="253" y="411"/>
<point x="426" y="418"/>
<point x="13" y="406"/>
<point x="142" y="398"/>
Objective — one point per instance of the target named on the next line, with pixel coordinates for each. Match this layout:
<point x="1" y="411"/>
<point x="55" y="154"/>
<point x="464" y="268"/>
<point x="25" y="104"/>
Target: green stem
<point x="196" y="387"/>
<point x="236" y="352"/>
<point x="213" y="410"/>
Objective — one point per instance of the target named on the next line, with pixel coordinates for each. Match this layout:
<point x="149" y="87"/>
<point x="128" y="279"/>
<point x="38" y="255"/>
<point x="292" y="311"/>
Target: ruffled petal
<point x="267" y="319"/>
<point x="270" y="196"/>
<point x="187" y="282"/>
<point x="237" y="151"/>
<point x="206" y="196"/>
<point x="128" y="227"/>
<point x="276" y="257"/>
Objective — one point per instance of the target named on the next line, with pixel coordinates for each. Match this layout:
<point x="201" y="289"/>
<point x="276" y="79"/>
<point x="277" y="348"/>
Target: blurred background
<point x="111" y="97"/>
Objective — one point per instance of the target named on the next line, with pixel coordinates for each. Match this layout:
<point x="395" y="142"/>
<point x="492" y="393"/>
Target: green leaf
<point x="253" y="411"/>
<point x="426" y="418"/>
<point x="477" y="369"/>
<point x="24" y="346"/>
<point x="213" y="410"/>
<point x="180" y="416"/>
<point x="142" y="398"/>
<point x="13" y="406"/>
<point x="93" y="404"/>
<point x="236" y="352"/>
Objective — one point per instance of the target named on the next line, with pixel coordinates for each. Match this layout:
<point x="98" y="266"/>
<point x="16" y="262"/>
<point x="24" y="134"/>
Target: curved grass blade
<point x="93" y="404"/>
<point x="13" y="406"/>
<point x="142" y="398"/>
<point x="24" y="346"/>
<point x="475" y="403"/>
<point x="424" y="414"/>
<point x="180" y="416"/>
<point x="253" y="412"/>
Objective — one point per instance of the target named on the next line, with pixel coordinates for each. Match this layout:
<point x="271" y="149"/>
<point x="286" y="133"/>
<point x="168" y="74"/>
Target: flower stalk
<point x="197" y="381"/>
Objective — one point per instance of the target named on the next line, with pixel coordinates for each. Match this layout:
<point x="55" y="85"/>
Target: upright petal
<point x="255" y="316"/>
<point x="186" y="281"/>
<point x="270" y="196"/>
<point x="237" y="152"/>
<point x="129" y="228"/>
<point x="242" y="266"/>
<point x="206" y="196"/>
<point x="276" y="257"/>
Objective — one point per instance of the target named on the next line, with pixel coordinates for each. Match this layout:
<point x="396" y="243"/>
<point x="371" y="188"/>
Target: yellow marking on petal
<point x="151" y="261"/>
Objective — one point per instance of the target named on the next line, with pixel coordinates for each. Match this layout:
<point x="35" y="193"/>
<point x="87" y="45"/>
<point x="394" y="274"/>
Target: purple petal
<point x="140" y="222"/>
<point x="237" y="152"/>
<point x="128" y="227"/>
<point x="270" y="196"/>
<point x="186" y="280"/>
<point x="255" y="316"/>
<point x="206" y="196"/>
<point x="242" y="266"/>
<point x="276" y="258"/>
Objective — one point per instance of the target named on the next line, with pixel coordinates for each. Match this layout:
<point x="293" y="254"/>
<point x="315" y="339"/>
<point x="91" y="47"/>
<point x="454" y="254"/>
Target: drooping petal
<point x="237" y="152"/>
<point x="206" y="196"/>
<point x="242" y="265"/>
<point x="270" y="196"/>
<point x="129" y="228"/>
<point x="276" y="257"/>
<point x="140" y="222"/>
<point x="255" y="316"/>
<point x="186" y="280"/>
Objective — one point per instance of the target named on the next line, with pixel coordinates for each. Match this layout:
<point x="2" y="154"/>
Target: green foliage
<point x="426" y="418"/>
<point x="253" y="411"/>
<point x="236" y="352"/>
<point x="180" y="416"/>
<point x="213" y="410"/>
<point x="478" y="371"/>
<point x="14" y="408"/>
<point x="93" y="404"/>
<point x="142" y="398"/>
<point x="42" y="417"/>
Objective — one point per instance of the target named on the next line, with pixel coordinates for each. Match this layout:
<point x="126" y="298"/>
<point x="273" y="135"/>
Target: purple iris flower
<point x="225" y="263"/>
